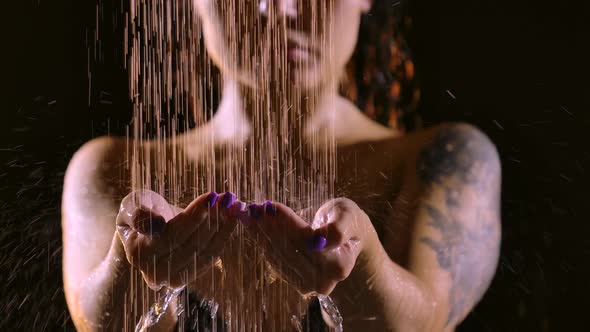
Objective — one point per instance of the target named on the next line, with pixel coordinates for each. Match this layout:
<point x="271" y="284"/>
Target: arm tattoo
<point x="464" y="165"/>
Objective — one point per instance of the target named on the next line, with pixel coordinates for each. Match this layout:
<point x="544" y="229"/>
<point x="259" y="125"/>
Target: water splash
<point x="171" y="79"/>
<point x="332" y="311"/>
<point x="158" y="309"/>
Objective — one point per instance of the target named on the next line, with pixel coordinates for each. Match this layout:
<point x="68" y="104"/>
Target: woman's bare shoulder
<point x="99" y="148"/>
<point x="94" y="185"/>
<point x="97" y="171"/>
<point x="354" y="128"/>
<point x="447" y="149"/>
<point x="444" y="139"/>
<point x="97" y="161"/>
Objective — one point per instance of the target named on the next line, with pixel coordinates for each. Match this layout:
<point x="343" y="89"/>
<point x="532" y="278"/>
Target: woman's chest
<point x="378" y="179"/>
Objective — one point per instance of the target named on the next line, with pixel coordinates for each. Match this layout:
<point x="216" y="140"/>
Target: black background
<point x="517" y="69"/>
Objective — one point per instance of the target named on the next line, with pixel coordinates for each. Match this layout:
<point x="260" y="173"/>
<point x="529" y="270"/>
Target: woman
<point x="412" y="245"/>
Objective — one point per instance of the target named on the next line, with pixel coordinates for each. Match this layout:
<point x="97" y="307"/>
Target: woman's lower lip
<point x="298" y="55"/>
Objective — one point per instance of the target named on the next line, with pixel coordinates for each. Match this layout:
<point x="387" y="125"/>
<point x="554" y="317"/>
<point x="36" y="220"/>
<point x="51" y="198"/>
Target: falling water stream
<point x="171" y="79"/>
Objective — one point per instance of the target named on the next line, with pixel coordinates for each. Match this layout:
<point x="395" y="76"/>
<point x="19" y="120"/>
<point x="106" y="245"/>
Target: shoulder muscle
<point x="93" y="185"/>
<point x="458" y="226"/>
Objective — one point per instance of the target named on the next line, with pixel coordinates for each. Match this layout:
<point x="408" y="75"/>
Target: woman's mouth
<point x="298" y="49"/>
<point x="299" y="54"/>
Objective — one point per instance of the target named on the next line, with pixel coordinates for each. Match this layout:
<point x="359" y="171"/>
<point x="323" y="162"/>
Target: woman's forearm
<point x="100" y="298"/>
<point x="406" y="302"/>
<point x="112" y="297"/>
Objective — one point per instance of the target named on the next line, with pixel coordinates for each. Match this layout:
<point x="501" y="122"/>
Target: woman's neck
<point x="300" y="115"/>
<point x="279" y="140"/>
<point x="285" y="146"/>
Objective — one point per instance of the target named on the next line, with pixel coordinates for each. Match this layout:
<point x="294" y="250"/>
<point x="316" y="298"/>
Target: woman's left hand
<point x="313" y="258"/>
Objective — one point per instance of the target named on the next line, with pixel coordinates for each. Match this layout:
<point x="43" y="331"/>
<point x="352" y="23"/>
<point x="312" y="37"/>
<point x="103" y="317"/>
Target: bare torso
<point x="376" y="169"/>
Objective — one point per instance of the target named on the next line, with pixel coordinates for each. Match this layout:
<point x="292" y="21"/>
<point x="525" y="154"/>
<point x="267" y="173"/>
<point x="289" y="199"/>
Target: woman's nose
<point x="287" y="8"/>
<point x="283" y="8"/>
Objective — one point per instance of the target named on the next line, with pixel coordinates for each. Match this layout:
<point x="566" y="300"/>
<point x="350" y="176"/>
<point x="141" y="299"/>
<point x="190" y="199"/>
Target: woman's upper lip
<point x="298" y="55"/>
<point x="296" y="40"/>
<point x="293" y="46"/>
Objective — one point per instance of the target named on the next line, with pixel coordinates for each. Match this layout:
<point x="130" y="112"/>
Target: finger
<point x="147" y="236"/>
<point x="182" y="226"/>
<point x="149" y="201"/>
<point x="307" y="213"/>
<point x="335" y="235"/>
<point x="137" y="244"/>
<point x="283" y="233"/>
<point x="188" y="265"/>
<point x="339" y="262"/>
<point x="338" y="225"/>
<point x="219" y="240"/>
<point x="201" y="250"/>
<point x="148" y="222"/>
<point x="210" y="236"/>
<point x="144" y="211"/>
<point x="274" y="227"/>
<point x="237" y="212"/>
<point x="281" y="226"/>
<point x="208" y="210"/>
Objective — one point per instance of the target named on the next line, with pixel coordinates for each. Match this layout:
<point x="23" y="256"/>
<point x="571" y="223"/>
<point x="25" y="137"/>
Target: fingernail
<point x="253" y="210"/>
<point x="212" y="199"/>
<point x="227" y="200"/>
<point x="243" y="207"/>
<point x="240" y="211"/>
<point x="269" y="208"/>
<point x="318" y="242"/>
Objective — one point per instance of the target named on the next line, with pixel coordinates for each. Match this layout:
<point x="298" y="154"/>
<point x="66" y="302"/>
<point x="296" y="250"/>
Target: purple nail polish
<point x="318" y="242"/>
<point x="212" y="199"/>
<point x="269" y="208"/>
<point x="242" y="207"/>
<point x="227" y="200"/>
<point x="254" y="211"/>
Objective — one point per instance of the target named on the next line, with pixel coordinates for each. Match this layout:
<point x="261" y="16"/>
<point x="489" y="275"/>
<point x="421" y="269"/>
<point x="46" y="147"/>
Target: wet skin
<point x="417" y="231"/>
<point x="432" y="198"/>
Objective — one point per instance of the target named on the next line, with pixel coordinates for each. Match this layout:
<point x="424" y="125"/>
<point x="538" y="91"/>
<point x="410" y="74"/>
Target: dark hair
<point x="381" y="77"/>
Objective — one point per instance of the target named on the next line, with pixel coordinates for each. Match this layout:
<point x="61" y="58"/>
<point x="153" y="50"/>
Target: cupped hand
<point x="313" y="258"/>
<point x="171" y="246"/>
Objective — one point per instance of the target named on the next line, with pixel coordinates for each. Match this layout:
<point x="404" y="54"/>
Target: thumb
<point x="328" y="213"/>
<point x="145" y="211"/>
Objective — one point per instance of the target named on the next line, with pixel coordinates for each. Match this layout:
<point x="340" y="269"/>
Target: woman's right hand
<point x="170" y="246"/>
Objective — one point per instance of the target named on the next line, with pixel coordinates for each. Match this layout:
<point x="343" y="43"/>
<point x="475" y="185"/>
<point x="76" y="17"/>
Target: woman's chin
<point x="299" y="79"/>
<point x="305" y="80"/>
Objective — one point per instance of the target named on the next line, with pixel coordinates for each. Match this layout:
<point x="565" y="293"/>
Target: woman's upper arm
<point x="93" y="188"/>
<point x="456" y="239"/>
